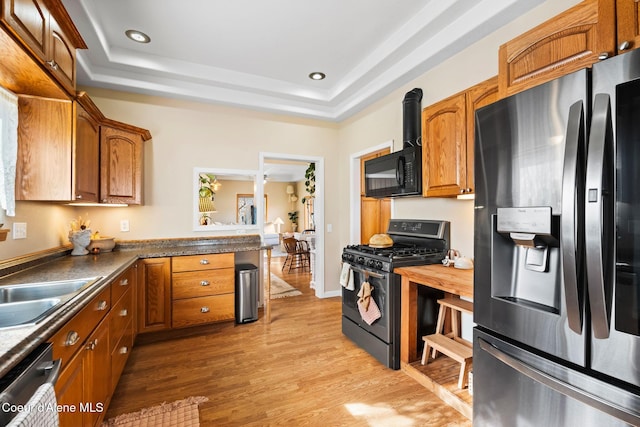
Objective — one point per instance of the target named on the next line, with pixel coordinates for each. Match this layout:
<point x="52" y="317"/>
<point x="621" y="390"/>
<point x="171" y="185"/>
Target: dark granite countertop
<point x="17" y="342"/>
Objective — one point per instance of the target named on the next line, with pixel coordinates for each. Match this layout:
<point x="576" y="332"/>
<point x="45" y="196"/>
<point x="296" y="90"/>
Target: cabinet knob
<point x="79" y="197"/>
<point x="204" y="261"/>
<point x="123" y="312"/>
<point x="603" y="55"/>
<point x="204" y="310"/>
<point x="624" y="45"/>
<point x="92" y="345"/>
<point x="52" y="64"/>
<point x="72" y="339"/>
<point x="102" y="306"/>
<point x="104" y="200"/>
<point x="123" y="350"/>
<point x="204" y="283"/>
<point x="124" y="282"/>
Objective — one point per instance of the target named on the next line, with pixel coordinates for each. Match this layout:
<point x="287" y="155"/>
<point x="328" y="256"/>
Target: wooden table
<point x="449" y="279"/>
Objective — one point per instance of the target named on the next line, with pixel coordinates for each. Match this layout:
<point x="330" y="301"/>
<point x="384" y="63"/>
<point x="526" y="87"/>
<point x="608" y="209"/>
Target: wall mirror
<point x="216" y="199"/>
<point x="246" y="209"/>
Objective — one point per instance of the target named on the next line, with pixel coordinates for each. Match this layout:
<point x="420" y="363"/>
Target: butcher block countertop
<point x="437" y="375"/>
<point x="449" y="279"/>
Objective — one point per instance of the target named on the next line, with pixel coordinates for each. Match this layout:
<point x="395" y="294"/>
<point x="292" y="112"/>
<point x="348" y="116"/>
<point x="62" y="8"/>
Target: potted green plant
<point x="293" y="217"/>
<point x="310" y="182"/>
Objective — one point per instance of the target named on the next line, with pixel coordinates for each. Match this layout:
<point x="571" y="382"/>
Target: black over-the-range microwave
<point x="395" y="174"/>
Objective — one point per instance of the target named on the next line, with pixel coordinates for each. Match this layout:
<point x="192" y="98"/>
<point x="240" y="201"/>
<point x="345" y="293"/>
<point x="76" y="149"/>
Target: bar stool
<point x="451" y="344"/>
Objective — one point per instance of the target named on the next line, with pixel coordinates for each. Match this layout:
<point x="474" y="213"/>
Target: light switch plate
<point x="124" y="225"/>
<point x="19" y="230"/>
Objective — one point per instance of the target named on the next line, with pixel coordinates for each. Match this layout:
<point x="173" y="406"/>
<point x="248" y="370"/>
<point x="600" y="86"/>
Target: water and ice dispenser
<point x="526" y="262"/>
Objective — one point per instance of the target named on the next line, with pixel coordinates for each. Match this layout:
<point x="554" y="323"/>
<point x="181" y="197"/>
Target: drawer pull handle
<point x="204" y="261"/>
<point x="123" y="312"/>
<point x="204" y="283"/>
<point x="123" y="350"/>
<point x="92" y="345"/>
<point x="204" y="310"/>
<point x="102" y="306"/>
<point x="72" y="339"/>
<point x="124" y="282"/>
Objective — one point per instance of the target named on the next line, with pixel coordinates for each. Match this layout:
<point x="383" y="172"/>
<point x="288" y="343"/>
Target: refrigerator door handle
<point x="572" y="217"/>
<point x="598" y="203"/>
<point x="611" y="408"/>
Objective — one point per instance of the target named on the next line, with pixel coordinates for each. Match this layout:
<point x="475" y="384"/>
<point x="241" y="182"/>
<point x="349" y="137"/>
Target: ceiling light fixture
<point x="317" y="75"/>
<point x="137" y="36"/>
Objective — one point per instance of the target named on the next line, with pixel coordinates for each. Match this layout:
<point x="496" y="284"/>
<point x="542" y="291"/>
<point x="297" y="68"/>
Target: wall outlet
<point x="124" y="225"/>
<point x="19" y="230"/>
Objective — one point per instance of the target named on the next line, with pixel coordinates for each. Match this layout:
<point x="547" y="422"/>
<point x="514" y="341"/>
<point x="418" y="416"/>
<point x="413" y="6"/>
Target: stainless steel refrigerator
<point x="557" y="252"/>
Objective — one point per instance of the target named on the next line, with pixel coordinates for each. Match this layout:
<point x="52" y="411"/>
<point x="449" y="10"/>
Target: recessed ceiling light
<point x="317" y="76"/>
<point x="138" y="36"/>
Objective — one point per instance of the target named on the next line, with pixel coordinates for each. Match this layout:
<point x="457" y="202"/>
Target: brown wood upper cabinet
<point x="43" y="168"/>
<point x="448" y="141"/>
<point x="628" y="24"/>
<point x="87" y="150"/>
<point x="572" y="40"/>
<point x="121" y="163"/>
<point x="45" y="29"/>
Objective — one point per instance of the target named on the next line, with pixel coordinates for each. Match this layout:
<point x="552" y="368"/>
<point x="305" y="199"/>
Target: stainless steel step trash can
<point x="246" y="293"/>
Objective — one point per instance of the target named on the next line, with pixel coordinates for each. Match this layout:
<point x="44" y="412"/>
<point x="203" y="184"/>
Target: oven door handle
<point x="369" y="273"/>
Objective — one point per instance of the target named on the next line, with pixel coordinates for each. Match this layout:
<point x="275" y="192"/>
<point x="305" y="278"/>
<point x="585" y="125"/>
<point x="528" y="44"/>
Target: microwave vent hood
<point x="398" y="174"/>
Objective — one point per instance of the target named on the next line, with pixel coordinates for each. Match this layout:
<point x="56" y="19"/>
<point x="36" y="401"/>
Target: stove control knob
<point x="360" y="260"/>
<point x="370" y="262"/>
<point x="379" y="265"/>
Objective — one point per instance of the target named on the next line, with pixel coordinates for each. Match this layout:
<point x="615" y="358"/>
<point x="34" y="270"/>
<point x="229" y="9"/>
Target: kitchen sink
<point x="28" y="303"/>
<point x="25" y="312"/>
<point x="42" y="290"/>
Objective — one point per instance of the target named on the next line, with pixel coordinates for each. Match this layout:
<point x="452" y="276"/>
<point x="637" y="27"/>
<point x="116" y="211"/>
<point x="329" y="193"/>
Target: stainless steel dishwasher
<point x="20" y="384"/>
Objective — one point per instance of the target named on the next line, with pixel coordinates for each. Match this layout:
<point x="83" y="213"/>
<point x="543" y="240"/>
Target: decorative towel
<point x="8" y="150"/>
<point x="346" y="277"/>
<point x="367" y="306"/>
<point x="41" y="410"/>
<point x="364" y="295"/>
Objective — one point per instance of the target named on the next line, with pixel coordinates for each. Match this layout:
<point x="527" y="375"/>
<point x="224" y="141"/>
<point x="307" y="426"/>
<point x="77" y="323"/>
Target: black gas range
<point x="415" y="242"/>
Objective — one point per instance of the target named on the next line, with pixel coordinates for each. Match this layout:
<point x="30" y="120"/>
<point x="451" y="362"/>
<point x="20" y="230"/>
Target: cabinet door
<point x="628" y="14"/>
<point x="444" y="147"/>
<point x="70" y="390"/>
<point x="570" y="41"/>
<point x="29" y="20"/>
<point x="154" y="294"/>
<point x="98" y="374"/>
<point x="478" y="96"/>
<point x="62" y="56"/>
<point x="87" y="156"/>
<point x="43" y="168"/>
<point x="121" y="164"/>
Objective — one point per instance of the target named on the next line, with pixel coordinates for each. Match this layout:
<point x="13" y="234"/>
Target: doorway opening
<point x="284" y="182"/>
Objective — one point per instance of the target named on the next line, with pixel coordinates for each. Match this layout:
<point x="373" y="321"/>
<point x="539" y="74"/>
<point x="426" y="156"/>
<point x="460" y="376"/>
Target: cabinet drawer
<point x="192" y="284"/>
<point x="194" y="311"/>
<point x="120" y="354"/>
<point x="202" y="262"/>
<point x="71" y="337"/>
<point x="120" y="316"/>
<point x="123" y="283"/>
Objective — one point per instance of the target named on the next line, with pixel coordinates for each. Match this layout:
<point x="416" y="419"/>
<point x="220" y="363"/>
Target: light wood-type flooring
<point x="297" y="371"/>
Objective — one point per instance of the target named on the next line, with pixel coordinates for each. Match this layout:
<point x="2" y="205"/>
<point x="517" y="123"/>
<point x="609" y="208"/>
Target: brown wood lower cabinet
<point x="94" y="346"/>
<point x="154" y="294"/>
<point x="203" y="289"/>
